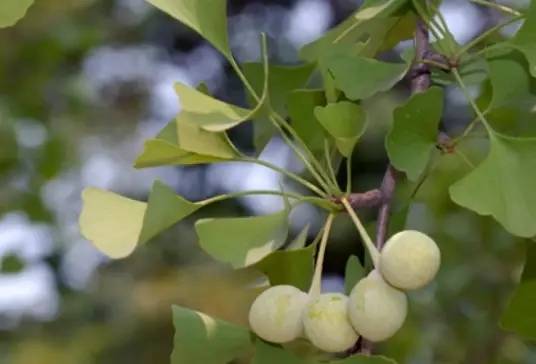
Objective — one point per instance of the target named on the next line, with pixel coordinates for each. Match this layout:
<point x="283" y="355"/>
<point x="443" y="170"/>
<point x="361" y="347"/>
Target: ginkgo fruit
<point x="376" y="309"/>
<point x="276" y="314"/>
<point x="410" y="260"/>
<point x="326" y="323"/>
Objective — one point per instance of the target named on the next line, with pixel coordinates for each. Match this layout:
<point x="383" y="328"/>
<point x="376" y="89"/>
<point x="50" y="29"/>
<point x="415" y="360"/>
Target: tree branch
<point x="420" y="81"/>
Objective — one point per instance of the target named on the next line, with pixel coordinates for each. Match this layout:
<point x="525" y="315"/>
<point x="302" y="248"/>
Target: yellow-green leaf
<point x="206" y="17"/>
<point x="208" y="112"/>
<point x="185" y="145"/>
<point x="111" y="222"/>
<point x="116" y="225"/>
<point x="11" y="11"/>
<point x="345" y="122"/>
<point x="243" y="241"/>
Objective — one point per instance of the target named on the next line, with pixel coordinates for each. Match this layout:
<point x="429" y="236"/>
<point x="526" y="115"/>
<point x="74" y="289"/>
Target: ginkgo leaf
<point x="365" y="359"/>
<point x="360" y="77"/>
<point x="202" y="339"/>
<point x="374" y="21"/>
<point x="164" y="209"/>
<point x="525" y="38"/>
<point x="509" y="80"/>
<point x="199" y="146"/>
<point x="378" y="8"/>
<point x="520" y="314"/>
<point x="116" y="225"/>
<point x="281" y="81"/>
<point x="293" y="266"/>
<point x="208" y="112"/>
<point x="345" y="122"/>
<point x="266" y="353"/>
<point x="301" y="105"/>
<point x="192" y="138"/>
<point x="158" y="152"/>
<point x="111" y="222"/>
<point x="11" y="11"/>
<point x="300" y="240"/>
<point x="206" y="17"/>
<point x="243" y="241"/>
<point x="503" y="184"/>
<point x="353" y="273"/>
<point x="413" y="134"/>
<point x="510" y="109"/>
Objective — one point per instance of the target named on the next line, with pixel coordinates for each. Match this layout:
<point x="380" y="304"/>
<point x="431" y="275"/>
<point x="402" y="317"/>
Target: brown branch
<point x="420" y="81"/>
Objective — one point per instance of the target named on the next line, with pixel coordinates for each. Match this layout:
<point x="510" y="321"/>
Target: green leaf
<point x="503" y="184"/>
<point x="510" y="82"/>
<point x="353" y="273"/>
<point x="413" y="134"/>
<point x="520" y="313"/>
<point x="510" y="109"/>
<point x="243" y="241"/>
<point x="525" y="39"/>
<point x="206" y="17"/>
<point x="192" y="138"/>
<point x="116" y="224"/>
<point x="300" y="240"/>
<point x="209" y="113"/>
<point x="365" y="359"/>
<point x="164" y="209"/>
<point x="281" y="81"/>
<point x="158" y="152"/>
<point x="202" y="339"/>
<point x="292" y="266"/>
<point x="11" y="11"/>
<point x="371" y="23"/>
<point x="266" y="353"/>
<point x="344" y="121"/>
<point x="301" y="104"/>
<point x="197" y="146"/>
<point x="360" y="77"/>
<point x="378" y="8"/>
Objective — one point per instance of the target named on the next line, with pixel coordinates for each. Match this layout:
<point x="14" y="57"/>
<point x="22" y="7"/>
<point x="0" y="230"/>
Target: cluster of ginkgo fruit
<point x="375" y="310"/>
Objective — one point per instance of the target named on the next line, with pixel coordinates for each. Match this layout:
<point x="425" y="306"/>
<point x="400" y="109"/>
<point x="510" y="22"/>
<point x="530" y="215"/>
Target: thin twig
<point x="419" y="83"/>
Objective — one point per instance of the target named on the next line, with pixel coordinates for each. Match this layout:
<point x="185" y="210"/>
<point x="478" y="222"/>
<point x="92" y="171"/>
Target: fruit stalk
<point x="420" y="81"/>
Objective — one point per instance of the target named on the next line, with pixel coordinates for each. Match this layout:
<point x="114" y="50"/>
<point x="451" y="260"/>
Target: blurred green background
<point x="83" y="82"/>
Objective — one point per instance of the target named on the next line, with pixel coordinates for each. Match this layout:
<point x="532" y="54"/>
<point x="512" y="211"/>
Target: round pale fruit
<point x="276" y="314"/>
<point x="326" y="323"/>
<point x="376" y="309"/>
<point x="410" y="260"/>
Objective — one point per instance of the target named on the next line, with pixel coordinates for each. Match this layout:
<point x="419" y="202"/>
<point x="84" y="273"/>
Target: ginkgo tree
<point x="319" y="109"/>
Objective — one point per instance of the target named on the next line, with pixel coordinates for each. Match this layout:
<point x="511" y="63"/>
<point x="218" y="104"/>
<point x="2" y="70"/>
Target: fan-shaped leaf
<point x="413" y="134"/>
<point x="344" y="121"/>
<point x="243" y="241"/>
<point x="206" y="17"/>
<point x="11" y="11"/>
<point x="205" y="340"/>
<point x="116" y="224"/>
<point x="503" y="184"/>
